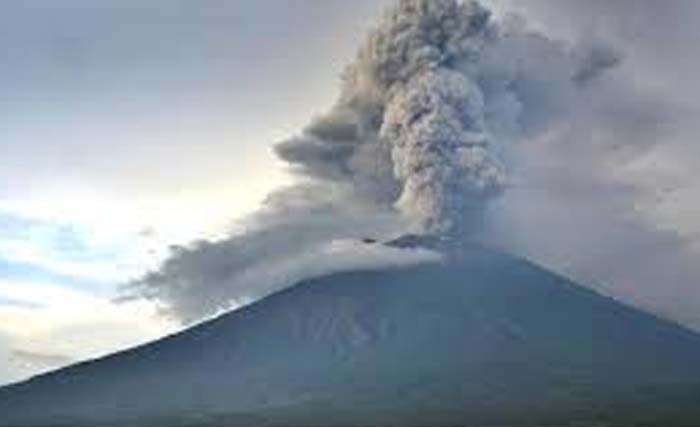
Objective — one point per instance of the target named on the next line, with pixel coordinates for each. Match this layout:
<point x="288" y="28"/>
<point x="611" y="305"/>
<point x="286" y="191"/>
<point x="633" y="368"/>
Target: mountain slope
<point x="484" y="339"/>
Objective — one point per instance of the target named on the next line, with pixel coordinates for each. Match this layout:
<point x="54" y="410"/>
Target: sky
<point x="128" y="127"/>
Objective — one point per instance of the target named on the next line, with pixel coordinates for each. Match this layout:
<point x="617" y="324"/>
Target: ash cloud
<point x="608" y="193"/>
<point x="285" y="241"/>
<point x="422" y="139"/>
<point x="432" y="101"/>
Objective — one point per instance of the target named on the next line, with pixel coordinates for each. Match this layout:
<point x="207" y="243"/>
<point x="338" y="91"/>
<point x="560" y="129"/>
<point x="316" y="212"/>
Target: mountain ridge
<point x="487" y="339"/>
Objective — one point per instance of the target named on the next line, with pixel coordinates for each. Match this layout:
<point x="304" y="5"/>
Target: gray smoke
<point x="411" y="117"/>
<point x="431" y="103"/>
<point x="608" y="193"/>
<point x="270" y="251"/>
<point x="418" y="140"/>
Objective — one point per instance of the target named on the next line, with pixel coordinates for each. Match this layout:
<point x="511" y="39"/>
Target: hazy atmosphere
<point x="166" y="161"/>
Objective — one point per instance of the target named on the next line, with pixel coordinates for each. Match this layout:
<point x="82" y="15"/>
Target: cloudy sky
<point x="129" y="126"/>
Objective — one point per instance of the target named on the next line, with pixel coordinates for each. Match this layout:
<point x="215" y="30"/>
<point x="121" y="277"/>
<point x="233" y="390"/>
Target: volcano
<point x="479" y="339"/>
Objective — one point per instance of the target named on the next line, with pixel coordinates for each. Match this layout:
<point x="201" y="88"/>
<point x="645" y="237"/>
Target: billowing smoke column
<point x="411" y="106"/>
<point x="426" y="119"/>
<point x="440" y="151"/>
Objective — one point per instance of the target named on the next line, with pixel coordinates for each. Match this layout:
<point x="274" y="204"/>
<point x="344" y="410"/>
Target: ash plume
<point x="418" y="141"/>
<point x="428" y="110"/>
<point x="410" y="103"/>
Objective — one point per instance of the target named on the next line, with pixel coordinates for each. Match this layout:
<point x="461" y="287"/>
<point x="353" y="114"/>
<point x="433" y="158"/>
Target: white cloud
<point x="59" y="322"/>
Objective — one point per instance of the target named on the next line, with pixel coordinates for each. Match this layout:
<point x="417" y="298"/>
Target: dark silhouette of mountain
<point x="482" y="339"/>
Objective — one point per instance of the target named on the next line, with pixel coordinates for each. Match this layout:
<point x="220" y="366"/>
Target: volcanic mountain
<point x="479" y="339"/>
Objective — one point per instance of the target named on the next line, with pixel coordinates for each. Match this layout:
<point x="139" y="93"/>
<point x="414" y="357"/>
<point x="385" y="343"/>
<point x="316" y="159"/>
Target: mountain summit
<point x="480" y="339"/>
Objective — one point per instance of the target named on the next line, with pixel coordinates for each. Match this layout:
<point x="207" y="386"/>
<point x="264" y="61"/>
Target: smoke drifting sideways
<point x="418" y="141"/>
